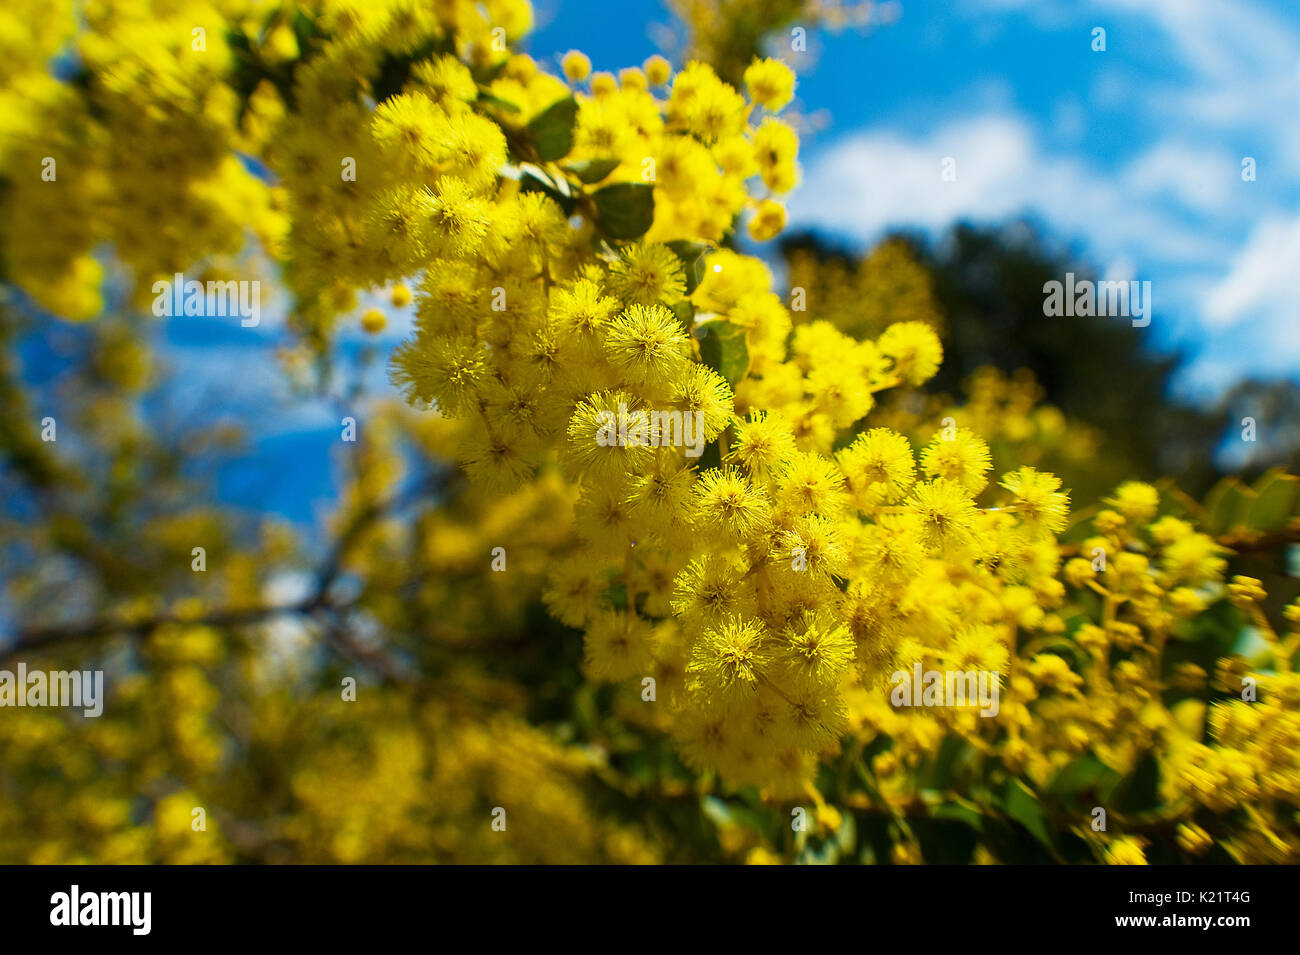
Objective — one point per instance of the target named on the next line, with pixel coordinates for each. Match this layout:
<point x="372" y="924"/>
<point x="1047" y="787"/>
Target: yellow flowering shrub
<point x="749" y="508"/>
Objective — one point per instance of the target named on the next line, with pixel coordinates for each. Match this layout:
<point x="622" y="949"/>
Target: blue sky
<point x="1131" y="158"/>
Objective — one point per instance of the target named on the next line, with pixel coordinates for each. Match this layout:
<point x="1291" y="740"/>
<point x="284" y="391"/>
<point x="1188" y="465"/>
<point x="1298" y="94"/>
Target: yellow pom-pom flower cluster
<point x="768" y="557"/>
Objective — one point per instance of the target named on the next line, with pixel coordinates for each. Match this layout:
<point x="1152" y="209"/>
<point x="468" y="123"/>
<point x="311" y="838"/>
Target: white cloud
<point x="1224" y="81"/>
<point x="1201" y="180"/>
<point x="876" y="179"/>
<point x="871" y="181"/>
<point x="1263" y="282"/>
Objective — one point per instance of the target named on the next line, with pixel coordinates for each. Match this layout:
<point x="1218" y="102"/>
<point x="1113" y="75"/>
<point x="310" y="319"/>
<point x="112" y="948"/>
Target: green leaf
<point x="530" y="183"/>
<point x="692" y="257"/>
<point x="1202" y="640"/>
<point x="1227" y="505"/>
<point x="1277" y="495"/>
<point x="625" y="210"/>
<point x="827" y="854"/>
<point x="946" y="760"/>
<point x="1067" y="649"/>
<point x="685" y="313"/>
<point x="616" y="595"/>
<point x="723" y="348"/>
<point x="592" y="171"/>
<point x="586" y="710"/>
<point x="1023" y="806"/>
<point x="552" y="129"/>
<point x="491" y="99"/>
<point x="1086" y="775"/>
<point x="711" y="458"/>
<point x="489" y="72"/>
<point x="395" y="68"/>
<point x="1139" y="791"/>
<point x="722" y="813"/>
<point x="305" y="30"/>
<point x="718" y="812"/>
<point x="956" y="810"/>
<point x="847" y="835"/>
<point x="945" y="841"/>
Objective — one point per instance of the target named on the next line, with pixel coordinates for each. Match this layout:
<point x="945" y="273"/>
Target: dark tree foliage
<point x="1102" y="371"/>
